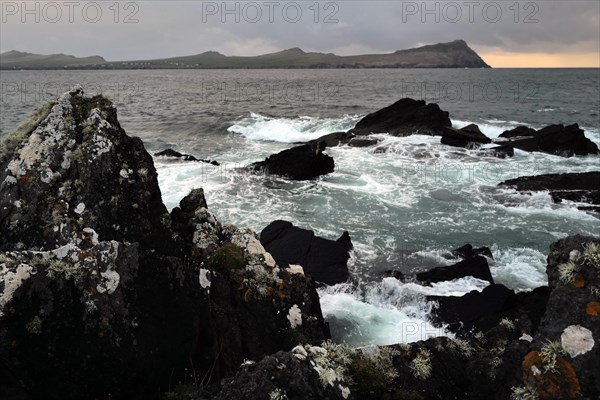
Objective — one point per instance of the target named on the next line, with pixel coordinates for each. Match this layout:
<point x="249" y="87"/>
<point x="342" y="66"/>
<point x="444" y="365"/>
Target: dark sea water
<point x="405" y="208"/>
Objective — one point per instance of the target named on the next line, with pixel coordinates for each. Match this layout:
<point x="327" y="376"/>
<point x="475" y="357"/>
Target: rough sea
<point x="406" y="202"/>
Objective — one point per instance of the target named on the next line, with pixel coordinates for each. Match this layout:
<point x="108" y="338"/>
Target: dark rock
<point x="572" y="313"/>
<point x="470" y="136"/>
<point x="519" y="131"/>
<point x="362" y="142"/>
<point x="298" y="163"/>
<point x="324" y="260"/>
<point x="476" y="266"/>
<point x="467" y="251"/>
<point x="346" y="241"/>
<point x="498" y="151"/>
<point x="334" y="139"/>
<point x="466" y="311"/>
<point x="578" y="187"/>
<point x="564" y="141"/>
<point x="118" y="299"/>
<point x="175" y="154"/>
<point x="170" y="153"/>
<point x="404" y="118"/>
<point x="84" y="173"/>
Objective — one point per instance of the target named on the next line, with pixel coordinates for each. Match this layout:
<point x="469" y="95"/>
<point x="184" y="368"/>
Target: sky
<point x="548" y="33"/>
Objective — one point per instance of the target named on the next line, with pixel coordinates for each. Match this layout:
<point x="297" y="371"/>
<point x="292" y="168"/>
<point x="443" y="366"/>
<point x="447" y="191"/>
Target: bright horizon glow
<point x="503" y="59"/>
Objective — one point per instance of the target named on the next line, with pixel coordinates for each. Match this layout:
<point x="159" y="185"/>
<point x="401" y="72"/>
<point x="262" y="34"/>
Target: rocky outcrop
<point x="172" y="154"/>
<point x="404" y="118"/>
<point x="577" y="187"/>
<point x="475" y="266"/>
<point x="324" y="260"/>
<point x="560" y="140"/>
<point x="103" y="293"/>
<point x="571" y="321"/>
<point x="298" y="163"/>
<point x="538" y="345"/>
<point x="470" y="136"/>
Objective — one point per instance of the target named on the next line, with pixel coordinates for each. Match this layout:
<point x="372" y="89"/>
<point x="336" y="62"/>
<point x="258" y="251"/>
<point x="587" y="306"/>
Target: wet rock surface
<point x="298" y="163"/>
<point x="474" y="265"/>
<point x="576" y="187"/>
<point x="324" y="260"/>
<point x="173" y="154"/>
<point x="403" y="118"/>
<point x="470" y="136"/>
<point x="560" y="140"/>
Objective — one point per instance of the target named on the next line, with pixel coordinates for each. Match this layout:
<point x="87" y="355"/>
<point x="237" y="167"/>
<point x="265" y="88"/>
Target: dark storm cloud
<point x="170" y="28"/>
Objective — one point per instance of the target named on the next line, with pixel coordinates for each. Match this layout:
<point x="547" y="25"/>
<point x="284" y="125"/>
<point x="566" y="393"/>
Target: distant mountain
<point x="456" y="54"/>
<point x="19" y="60"/>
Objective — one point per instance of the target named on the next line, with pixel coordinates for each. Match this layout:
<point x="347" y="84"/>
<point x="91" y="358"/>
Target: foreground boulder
<point x="560" y="140"/>
<point x="103" y="294"/>
<point x="578" y="187"/>
<point x="404" y="118"/>
<point x="470" y="136"/>
<point x="298" y="163"/>
<point x="324" y="260"/>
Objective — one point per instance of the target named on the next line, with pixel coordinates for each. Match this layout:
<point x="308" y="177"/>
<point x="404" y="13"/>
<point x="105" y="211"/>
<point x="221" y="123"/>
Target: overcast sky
<point x="532" y="33"/>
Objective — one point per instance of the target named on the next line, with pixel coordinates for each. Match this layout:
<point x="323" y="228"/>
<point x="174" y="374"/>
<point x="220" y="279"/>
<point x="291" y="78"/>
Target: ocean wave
<point x="290" y="130"/>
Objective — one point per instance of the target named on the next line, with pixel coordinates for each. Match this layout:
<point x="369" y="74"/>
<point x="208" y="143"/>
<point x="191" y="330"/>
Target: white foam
<point x="290" y="130"/>
<point x="519" y="268"/>
<point x="388" y="311"/>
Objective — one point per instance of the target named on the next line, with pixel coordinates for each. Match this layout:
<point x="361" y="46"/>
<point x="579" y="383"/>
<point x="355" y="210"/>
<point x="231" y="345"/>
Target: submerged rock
<point x="298" y="163"/>
<point x="324" y="260"/>
<point x="578" y="187"/>
<point x="475" y="266"/>
<point x="103" y="294"/>
<point x="404" y="118"/>
<point x="170" y="153"/>
<point x="560" y="140"/>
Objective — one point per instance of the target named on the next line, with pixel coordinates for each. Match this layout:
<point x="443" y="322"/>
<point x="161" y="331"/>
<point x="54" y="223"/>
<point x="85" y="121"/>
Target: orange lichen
<point x="579" y="282"/>
<point x="561" y="384"/>
<point x="24" y="178"/>
<point x="593" y="308"/>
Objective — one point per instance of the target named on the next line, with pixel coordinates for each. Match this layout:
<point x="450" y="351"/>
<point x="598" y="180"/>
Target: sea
<point x="406" y="202"/>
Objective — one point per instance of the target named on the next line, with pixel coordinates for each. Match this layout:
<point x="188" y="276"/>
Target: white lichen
<point x="508" y="324"/>
<point x="527" y="338"/>
<point x="12" y="279"/>
<point x="295" y="269"/>
<point x="461" y="347"/>
<point x="80" y="208"/>
<point x="421" y="364"/>
<point x="523" y="393"/>
<point x="295" y="316"/>
<point x="577" y="340"/>
<point x="549" y="353"/>
<point x="204" y="278"/>
<point x="566" y="272"/>
<point x="591" y="254"/>
<point x="278" y="394"/>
